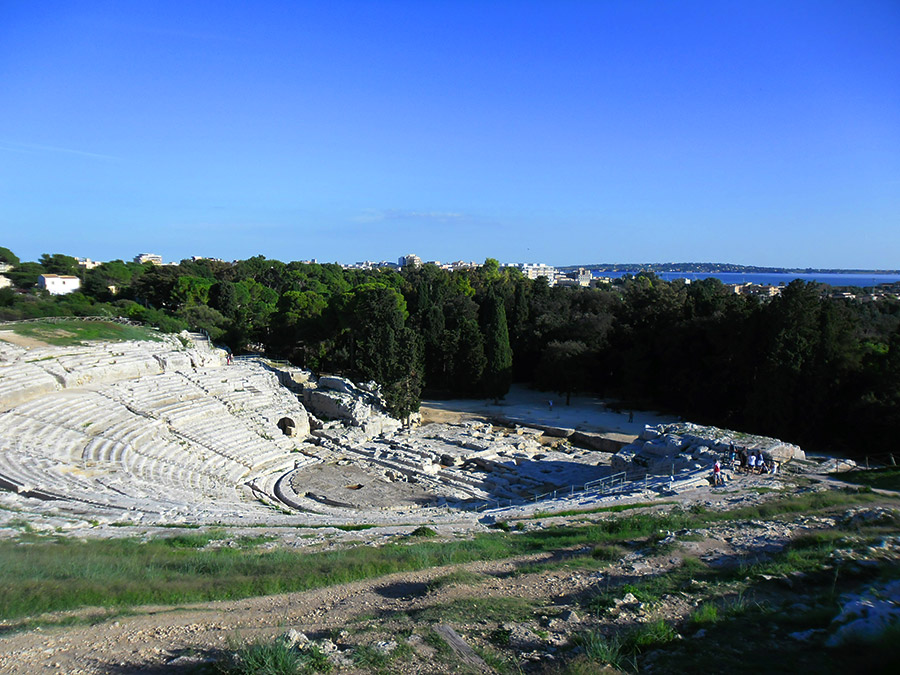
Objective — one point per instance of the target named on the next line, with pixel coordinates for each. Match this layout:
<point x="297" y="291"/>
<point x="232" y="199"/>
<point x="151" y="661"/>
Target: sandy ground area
<point x="527" y="406"/>
<point x="21" y="340"/>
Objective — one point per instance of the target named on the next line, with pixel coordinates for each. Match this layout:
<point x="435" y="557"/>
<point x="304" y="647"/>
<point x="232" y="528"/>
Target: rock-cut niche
<point x="287" y="426"/>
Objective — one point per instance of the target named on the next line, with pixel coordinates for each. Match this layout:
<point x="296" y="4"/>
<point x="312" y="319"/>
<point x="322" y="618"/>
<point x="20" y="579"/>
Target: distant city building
<point x="5" y="282"/>
<point x="59" y="284"/>
<point x="5" y="267"/>
<point x="154" y="258"/>
<point x="581" y="277"/>
<point x="459" y="265"/>
<point x="196" y="258"/>
<point x="412" y="260"/>
<point x="87" y="263"/>
<point x="369" y="265"/>
<point x="760" y="291"/>
<point x="536" y="270"/>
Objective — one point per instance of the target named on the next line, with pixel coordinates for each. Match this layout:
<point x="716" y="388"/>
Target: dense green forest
<point x="818" y="371"/>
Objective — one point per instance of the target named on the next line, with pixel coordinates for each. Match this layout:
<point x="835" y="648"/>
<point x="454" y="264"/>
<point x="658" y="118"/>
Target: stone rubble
<point x="681" y="447"/>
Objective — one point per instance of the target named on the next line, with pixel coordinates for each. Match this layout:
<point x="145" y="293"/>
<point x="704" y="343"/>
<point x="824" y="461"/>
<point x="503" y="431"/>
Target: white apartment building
<point x="154" y="258"/>
<point x="59" y="284"/>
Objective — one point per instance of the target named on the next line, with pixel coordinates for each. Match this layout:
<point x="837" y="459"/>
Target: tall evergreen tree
<point x="498" y="369"/>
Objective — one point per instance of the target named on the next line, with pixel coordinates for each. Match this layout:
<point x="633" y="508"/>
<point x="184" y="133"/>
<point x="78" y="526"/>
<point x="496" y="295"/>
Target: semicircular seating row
<point x="176" y="441"/>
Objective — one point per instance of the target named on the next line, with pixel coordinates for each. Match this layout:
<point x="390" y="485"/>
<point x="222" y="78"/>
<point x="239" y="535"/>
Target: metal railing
<point x="605" y="485"/>
<point x="618" y="482"/>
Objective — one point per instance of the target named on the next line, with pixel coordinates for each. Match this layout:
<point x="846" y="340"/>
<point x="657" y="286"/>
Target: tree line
<point x="803" y="366"/>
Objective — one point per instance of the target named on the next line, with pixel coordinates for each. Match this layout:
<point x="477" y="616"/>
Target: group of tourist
<point x="745" y="461"/>
<point x="753" y="461"/>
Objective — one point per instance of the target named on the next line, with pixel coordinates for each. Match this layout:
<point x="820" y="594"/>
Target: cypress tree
<point x="498" y="371"/>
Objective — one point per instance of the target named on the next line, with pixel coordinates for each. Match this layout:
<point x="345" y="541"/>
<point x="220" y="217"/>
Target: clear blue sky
<point x="756" y="132"/>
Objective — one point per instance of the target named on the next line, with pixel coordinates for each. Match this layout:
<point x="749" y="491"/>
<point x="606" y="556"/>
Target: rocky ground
<point x="526" y="614"/>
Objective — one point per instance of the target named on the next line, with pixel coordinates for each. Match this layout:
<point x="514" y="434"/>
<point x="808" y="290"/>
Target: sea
<point x="771" y="278"/>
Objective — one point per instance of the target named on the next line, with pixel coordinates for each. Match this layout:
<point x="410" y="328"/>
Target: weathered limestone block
<point x="784" y="452"/>
<point x="657" y="449"/>
<point x="675" y="443"/>
<point x="378" y="425"/>
<point x="332" y="405"/>
<point x="649" y="433"/>
<point x="477" y="445"/>
<point x="558" y="432"/>
<point x="335" y="383"/>
<point x="665" y="466"/>
<point x="596" y="441"/>
<point x="172" y="361"/>
<point x="112" y="370"/>
<point x="624" y="459"/>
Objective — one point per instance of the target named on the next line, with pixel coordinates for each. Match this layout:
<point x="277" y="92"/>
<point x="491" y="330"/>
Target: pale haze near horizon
<point x="763" y="133"/>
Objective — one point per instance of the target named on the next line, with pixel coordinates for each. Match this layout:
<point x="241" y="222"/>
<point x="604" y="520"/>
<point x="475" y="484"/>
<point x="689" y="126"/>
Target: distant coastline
<point x="714" y="268"/>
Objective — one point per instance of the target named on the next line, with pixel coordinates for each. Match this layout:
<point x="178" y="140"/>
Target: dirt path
<point x="158" y="635"/>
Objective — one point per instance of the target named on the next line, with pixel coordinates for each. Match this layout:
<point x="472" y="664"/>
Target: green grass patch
<point x="647" y="635"/>
<point x="474" y="609"/>
<point x="706" y="613"/>
<point x="886" y="478"/>
<point x="366" y="656"/>
<point x="806" y="503"/>
<point x="455" y="578"/>
<point x="252" y="541"/>
<point x="607" y="552"/>
<point x="436" y="642"/>
<point x="194" y="540"/>
<point x="616" y="508"/>
<point x="75" y="332"/>
<point x="52" y="574"/>
<point x="274" y="657"/>
<point x="354" y="528"/>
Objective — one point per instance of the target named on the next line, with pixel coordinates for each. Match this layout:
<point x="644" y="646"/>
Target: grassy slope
<point x="886" y="478"/>
<point x="73" y="332"/>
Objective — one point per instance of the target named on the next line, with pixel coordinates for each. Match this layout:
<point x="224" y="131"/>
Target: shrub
<point x="423" y="531"/>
